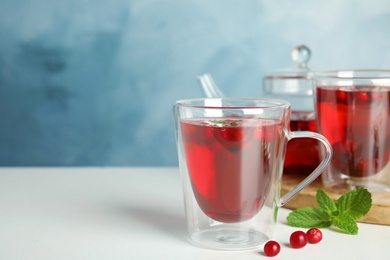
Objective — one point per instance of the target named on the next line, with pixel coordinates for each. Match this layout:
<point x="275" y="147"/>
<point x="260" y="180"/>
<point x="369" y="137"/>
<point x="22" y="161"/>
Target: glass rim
<point x="352" y="74"/>
<point x="233" y="103"/>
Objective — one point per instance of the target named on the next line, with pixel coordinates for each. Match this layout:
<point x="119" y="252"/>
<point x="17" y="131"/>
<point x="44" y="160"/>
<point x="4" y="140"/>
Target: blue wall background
<point x="92" y="82"/>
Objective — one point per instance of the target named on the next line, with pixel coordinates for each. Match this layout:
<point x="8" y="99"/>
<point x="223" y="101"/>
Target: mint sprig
<point x="342" y="213"/>
<point x="225" y="122"/>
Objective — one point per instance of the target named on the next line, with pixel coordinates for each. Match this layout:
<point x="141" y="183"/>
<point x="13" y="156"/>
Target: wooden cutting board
<point x="378" y="214"/>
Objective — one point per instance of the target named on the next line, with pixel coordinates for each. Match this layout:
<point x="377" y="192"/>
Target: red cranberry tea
<point x="302" y="155"/>
<point x="230" y="162"/>
<point x="356" y="121"/>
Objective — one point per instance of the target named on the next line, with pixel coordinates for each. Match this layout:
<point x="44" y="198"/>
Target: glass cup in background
<point x="353" y="113"/>
<point x="231" y="153"/>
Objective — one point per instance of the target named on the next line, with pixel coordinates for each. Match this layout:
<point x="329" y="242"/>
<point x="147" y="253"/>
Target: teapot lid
<point x="294" y="81"/>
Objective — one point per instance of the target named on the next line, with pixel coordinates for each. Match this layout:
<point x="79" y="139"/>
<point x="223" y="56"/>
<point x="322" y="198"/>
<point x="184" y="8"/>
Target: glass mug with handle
<point x="231" y="153"/>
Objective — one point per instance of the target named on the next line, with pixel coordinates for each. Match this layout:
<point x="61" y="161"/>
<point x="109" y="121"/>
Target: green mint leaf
<point x="325" y="203"/>
<point x="342" y="214"/>
<point x="225" y="122"/>
<point x="309" y="217"/>
<point x="346" y="223"/>
<point x="355" y="203"/>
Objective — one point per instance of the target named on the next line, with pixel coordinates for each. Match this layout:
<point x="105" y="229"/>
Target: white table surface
<point x="132" y="213"/>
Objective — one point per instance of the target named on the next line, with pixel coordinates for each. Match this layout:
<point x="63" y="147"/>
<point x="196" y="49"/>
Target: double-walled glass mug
<point x="231" y="153"/>
<point x="353" y="113"/>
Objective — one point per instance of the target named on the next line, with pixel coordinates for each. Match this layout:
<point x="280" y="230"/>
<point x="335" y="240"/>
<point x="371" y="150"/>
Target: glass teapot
<point x="294" y="85"/>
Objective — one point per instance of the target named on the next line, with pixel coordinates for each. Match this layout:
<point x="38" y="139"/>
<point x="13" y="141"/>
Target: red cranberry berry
<point x="314" y="235"/>
<point x="298" y="239"/>
<point x="363" y="96"/>
<point x="271" y="248"/>
<point x="341" y="96"/>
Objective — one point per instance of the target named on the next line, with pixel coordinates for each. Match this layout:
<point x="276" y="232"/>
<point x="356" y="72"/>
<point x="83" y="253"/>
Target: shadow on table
<point x="162" y="219"/>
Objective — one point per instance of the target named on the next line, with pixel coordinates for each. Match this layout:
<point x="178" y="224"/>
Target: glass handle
<point x="309" y="179"/>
